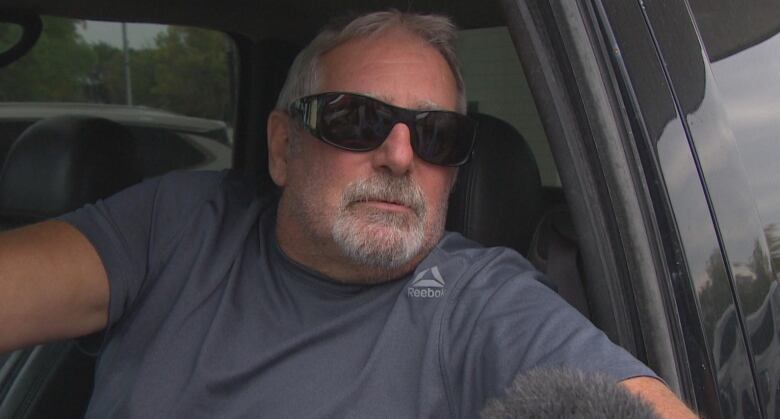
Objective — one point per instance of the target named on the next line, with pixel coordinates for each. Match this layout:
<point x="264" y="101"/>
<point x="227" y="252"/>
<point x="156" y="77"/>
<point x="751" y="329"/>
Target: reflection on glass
<point x="748" y="82"/>
<point x="717" y="310"/>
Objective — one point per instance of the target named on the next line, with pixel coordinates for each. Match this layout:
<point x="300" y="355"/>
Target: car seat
<point x="498" y="200"/>
<point x="57" y="165"/>
<point x="62" y="163"/>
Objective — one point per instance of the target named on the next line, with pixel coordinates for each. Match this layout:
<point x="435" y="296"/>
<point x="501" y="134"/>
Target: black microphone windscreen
<point x="565" y="393"/>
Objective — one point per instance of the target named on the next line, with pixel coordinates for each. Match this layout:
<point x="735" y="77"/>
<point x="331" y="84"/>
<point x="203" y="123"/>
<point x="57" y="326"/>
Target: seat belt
<point x="563" y="271"/>
<point x="556" y="254"/>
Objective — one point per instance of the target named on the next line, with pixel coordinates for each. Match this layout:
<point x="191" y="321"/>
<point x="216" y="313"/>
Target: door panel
<point x="669" y="97"/>
<point x="743" y="48"/>
<point x="741" y="265"/>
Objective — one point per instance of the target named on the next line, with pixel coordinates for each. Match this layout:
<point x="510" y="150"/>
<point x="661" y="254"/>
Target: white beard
<point x="380" y="239"/>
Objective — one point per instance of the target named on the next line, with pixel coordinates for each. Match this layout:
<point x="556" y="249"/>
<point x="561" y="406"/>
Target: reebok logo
<point x="427" y="284"/>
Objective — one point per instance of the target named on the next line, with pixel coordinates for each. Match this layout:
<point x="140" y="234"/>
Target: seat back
<point x="497" y="199"/>
<point x="62" y="163"/>
<point x="55" y="166"/>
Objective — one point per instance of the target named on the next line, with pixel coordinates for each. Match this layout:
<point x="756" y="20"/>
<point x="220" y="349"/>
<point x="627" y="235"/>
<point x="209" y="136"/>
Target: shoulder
<point x="193" y="185"/>
<point x="186" y="190"/>
<point x="157" y="210"/>
<point x="483" y="268"/>
<point x="139" y="205"/>
<point x="484" y="284"/>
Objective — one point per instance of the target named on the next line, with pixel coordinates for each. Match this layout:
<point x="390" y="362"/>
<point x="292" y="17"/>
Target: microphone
<point x="566" y="393"/>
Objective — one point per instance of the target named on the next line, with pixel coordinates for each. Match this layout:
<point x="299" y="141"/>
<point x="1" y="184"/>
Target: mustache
<point x="382" y="187"/>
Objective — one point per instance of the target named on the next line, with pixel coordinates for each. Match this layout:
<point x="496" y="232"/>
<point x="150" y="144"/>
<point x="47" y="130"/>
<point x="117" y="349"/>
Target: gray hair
<point x="435" y="30"/>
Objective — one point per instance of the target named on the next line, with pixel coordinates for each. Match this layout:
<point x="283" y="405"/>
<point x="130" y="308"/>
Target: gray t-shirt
<point x="208" y="318"/>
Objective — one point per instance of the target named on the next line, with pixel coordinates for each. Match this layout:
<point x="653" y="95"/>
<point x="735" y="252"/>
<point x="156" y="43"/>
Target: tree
<point x="715" y="297"/>
<point x="105" y="79"/>
<point x="773" y="242"/>
<point x="185" y="71"/>
<point x="10" y="34"/>
<point x="755" y="289"/>
<point x="56" y="69"/>
<point x="191" y="72"/>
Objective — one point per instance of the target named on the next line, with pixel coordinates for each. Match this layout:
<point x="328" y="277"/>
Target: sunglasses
<point x="359" y="123"/>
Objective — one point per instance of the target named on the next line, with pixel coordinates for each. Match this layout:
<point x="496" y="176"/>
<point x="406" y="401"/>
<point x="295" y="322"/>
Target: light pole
<point x="126" y="51"/>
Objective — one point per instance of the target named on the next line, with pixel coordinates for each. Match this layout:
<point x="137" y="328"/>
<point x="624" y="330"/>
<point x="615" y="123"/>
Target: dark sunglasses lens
<point x="444" y="138"/>
<point x="354" y="122"/>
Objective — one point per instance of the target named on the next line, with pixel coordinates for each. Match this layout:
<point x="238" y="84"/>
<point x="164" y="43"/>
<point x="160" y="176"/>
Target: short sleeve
<point x="132" y="229"/>
<point x="506" y="322"/>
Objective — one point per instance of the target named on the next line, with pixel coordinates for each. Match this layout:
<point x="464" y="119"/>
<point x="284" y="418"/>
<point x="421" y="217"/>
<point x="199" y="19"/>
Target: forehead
<point x="394" y="66"/>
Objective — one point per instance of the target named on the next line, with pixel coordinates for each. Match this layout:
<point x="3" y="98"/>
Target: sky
<point x="139" y="35"/>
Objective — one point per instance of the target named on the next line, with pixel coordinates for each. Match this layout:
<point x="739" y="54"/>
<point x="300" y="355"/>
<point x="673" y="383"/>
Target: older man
<point x="343" y="299"/>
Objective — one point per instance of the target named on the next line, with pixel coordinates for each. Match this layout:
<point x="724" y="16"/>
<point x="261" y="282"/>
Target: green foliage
<point x="10" y="33"/>
<point x="55" y="70"/>
<point x="106" y="78"/>
<point x="186" y="71"/>
<point x="191" y="71"/>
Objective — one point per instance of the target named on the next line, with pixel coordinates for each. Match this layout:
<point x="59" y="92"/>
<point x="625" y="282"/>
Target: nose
<point x="395" y="154"/>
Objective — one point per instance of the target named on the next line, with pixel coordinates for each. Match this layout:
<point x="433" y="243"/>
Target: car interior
<point x="58" y="164"/>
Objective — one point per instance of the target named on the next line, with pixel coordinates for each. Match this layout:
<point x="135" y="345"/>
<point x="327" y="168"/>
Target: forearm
<point x="52" y="285"/>
<point x="659" y="396"/>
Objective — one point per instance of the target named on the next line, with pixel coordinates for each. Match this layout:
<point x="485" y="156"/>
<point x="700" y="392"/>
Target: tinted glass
<point x="743" y="45"/>
<point x="353" y="122"/>
<point x="167" y="82"/>
<point x="443" y="137"/>
<point x="10" y="34"/>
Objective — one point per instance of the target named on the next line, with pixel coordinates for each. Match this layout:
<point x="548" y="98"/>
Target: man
<point x="342" y="299"/>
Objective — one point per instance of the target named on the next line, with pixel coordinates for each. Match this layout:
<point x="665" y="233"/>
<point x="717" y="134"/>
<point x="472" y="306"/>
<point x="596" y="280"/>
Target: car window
<point x="172" y="86"/>
<point x="749" y="84"/>
<point x="743" y="46"/>
<point x="728" y="339"/>
<point x="496" y="85"/>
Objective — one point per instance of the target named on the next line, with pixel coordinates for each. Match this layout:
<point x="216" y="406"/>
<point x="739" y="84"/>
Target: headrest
<point x="62" y="163"/>
<point x="497" y="199"/>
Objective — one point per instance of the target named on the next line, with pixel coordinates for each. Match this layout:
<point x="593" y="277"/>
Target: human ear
<point x="278" y="140"/>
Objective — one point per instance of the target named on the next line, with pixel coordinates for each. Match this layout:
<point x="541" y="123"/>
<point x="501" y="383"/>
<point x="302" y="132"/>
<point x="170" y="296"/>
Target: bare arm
<point x="52" y="285"/>
<point x="659" y="396"/>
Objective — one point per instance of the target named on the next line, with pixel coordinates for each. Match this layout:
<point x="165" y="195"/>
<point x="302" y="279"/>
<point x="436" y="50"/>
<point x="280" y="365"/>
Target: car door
<point x="635" y="126"/>
<point x="717" y="89"/>
<point x="734" y="129"/>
